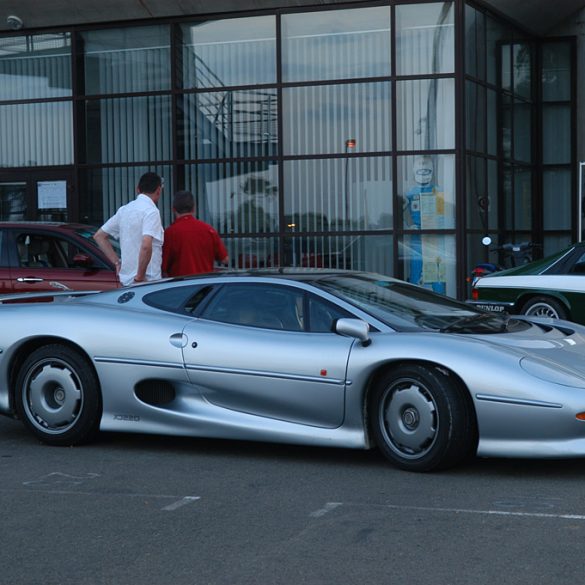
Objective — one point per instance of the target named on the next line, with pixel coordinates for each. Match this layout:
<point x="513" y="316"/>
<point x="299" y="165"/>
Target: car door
<point x="50" y="262"/>
<point x="5" y="278"/>
<point x="250" y="351"/>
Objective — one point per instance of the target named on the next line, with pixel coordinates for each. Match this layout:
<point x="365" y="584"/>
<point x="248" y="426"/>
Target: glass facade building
<point x="383" y="136"/>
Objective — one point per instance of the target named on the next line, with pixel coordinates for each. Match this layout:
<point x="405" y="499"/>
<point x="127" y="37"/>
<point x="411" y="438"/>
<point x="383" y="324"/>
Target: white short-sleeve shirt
<point x="131" y="222"/>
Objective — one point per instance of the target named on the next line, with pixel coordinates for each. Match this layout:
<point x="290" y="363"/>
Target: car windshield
<point x="87" y="233"/>
<point x="403" y="306"/>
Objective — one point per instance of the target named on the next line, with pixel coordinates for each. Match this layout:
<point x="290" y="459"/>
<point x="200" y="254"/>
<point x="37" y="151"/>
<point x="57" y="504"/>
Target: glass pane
<point x="228" y="124"/>
<point x="35" y="66"/>
<point x="351" y="193"/>
<point x="492" y="170"/>
<point x="320" y="119"/>
<point x="425" y="38"/>
<point x="253" y="252"/>
<point x="556" y="134"/>
<point x="105" y="190"/>
<point x="236" y="198"/>
<point x="426" y="114"/>
<point x="492" y="123"/>
<point x="221" y="53"/>
<point x="426" y="184"/>
<point x="495" y="33"/>
<point x="127" y="60"/>
<point x="556" y="72"/>
<point x="470" y="41"/>
<point x="557" y="199"/>
<point x="39" y="134"/>
<point x="522" y="199"/>
<point x="522" y="56"/>
<point x="475" y="116"/>
<point x="429" y="261"/>
<point x="12" y="201"/>
<point x="336" y="44"/>
<point x="477" y="200"/>
<point x="556" y="242"/>
<point x="369" y="253"/>
<point x="506" y="64"/>
<point x="523" y="132"/>
<point x="506" y="121"/>
<point x="128" y="129"/>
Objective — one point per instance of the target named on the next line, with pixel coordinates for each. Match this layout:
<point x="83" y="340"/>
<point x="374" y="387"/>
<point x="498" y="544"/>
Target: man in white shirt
<point x="137" y="225"/>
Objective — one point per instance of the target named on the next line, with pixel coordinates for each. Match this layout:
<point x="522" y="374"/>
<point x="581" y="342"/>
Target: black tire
<point x="421" y="419"/>
<point x="542" y="306"/>
<point x="58" y="396"/>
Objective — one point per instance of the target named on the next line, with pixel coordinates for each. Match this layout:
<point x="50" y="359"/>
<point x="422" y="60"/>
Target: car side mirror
<point x="354" y="328"/>
<point x="83" y="260"/>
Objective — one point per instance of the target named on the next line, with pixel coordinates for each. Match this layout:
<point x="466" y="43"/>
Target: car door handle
<point x="29" y="279"/>
<point x="178" y="340"/>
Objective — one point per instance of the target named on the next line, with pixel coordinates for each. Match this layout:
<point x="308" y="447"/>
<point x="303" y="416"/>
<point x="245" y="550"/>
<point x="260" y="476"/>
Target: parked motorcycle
<point x="510" y="256"/>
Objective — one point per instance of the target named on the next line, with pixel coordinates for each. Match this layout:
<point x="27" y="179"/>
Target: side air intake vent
<point x="155" y="392"/>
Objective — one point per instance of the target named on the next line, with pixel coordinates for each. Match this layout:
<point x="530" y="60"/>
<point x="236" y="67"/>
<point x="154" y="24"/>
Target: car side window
<point x="43" y="251"/>
<point x="253" y="305"/>
<point x="579" y="266"/>
<point x="180" y="299"/>
<point x="323" y="315"/>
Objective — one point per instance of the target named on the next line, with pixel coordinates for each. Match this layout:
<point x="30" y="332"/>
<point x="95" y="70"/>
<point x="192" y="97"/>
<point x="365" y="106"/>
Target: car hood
<point x="555" y="342"/>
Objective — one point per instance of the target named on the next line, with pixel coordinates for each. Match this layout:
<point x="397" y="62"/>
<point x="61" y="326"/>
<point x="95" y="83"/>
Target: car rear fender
<point x="527" y="296"/>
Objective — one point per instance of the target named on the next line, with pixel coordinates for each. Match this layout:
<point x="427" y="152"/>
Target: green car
<point x="552" y="287"/>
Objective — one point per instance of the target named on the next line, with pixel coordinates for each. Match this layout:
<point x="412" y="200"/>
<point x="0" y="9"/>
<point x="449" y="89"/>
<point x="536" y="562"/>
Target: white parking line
<point x="180" y="503"/>
<point x="332" y="505"/>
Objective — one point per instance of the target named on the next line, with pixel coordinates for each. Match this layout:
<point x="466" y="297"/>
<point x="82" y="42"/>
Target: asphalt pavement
<point x="136" y="509"/>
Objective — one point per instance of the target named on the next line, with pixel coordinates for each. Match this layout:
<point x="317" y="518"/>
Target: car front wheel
<point x="421" y="418"/>
<point x="545" y="307"/>
<point x="57" y="396"/>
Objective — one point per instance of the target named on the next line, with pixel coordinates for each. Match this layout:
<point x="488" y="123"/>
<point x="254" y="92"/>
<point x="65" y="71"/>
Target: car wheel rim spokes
<point x="409" y="416"/>
<point x="542" y="310"/>
<point x="53" y="396"/>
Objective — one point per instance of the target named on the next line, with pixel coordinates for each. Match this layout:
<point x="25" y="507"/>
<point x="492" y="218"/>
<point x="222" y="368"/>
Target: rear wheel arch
<point x="31" y="345"/>
<point x="558" y="302"/>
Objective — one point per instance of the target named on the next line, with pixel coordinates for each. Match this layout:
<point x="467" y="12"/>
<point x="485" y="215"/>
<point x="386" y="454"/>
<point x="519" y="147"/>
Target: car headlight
<point x="553" y="373"/>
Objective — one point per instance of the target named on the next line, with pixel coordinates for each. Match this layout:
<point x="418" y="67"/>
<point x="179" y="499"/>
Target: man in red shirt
<point x="190" y="246"/>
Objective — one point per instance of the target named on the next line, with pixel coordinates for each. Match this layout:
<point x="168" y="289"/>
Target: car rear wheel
<point x="58" y="396"/>
<point x="545" y="307"/>
<point x="421" y="419"/>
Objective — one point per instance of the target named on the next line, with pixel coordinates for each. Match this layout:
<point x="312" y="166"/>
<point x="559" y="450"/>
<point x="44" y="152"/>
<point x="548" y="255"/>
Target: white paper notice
<point x="52" y="194"/>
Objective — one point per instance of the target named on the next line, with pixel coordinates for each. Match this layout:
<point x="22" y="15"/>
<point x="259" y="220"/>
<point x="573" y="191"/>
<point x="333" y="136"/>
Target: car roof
<point x="45" y="224"/>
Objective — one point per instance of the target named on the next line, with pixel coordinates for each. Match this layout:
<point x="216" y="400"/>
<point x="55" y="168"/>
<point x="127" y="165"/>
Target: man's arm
<point x="144" y="258"/>
<point x="103" y="241"/>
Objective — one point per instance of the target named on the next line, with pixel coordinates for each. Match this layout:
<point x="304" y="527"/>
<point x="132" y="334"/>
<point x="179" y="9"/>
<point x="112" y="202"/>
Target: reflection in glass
<point x="369" y="253"/>
<point x="522" y="69"/>
<point x="495" y="32"/>
<point x="425" y="117"/>
<point x="129" y="129"/>
<point x="556" y="71"/>
<point x="127" y="60"/>
<point x="351" y="193"/>
<point x="557" y="199"/>
<point x="556" y="134"/>
<point x="253" y="252"/>
<point x="236" y="198"/>
<point x="521" y="212"/>
<point x="427" y="185"/>
<point x="319" y="119"/>
<point x="226" y="124"/>
<point x="429" y="261"/>
<point x="35" y="66"/>
<point x="493" y="202"/>
<point x="105" y="190"/>
<point x="12" y="201"/>
<point x="229" y="52"/>
<point x="336" y="44"/>
<point x="425" y="38"/>
<point x="37" y="134"/>
<point x="492" y="125"/>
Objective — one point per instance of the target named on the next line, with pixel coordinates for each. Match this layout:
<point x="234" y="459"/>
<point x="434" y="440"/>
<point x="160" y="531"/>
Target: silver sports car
<point x="313" y="357"/>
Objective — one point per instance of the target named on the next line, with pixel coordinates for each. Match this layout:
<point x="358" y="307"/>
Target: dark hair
<point x="183" y="202"/>
<point x="149" y="183"/>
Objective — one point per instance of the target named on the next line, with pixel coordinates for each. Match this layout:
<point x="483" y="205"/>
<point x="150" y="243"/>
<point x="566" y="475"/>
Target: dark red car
<point x="39" y="256"/>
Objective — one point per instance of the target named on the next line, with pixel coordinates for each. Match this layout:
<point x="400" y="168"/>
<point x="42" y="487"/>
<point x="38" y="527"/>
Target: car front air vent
<point x="155" y="392"/>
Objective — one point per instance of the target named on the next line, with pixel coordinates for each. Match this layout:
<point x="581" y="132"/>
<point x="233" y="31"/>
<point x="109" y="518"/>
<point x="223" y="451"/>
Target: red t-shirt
<point x="190" y="247"/>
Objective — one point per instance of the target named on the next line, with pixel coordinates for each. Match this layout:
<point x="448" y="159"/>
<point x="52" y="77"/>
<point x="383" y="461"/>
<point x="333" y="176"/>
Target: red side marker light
<point x="580" y="416"/>
<point x="324" y="373"/>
